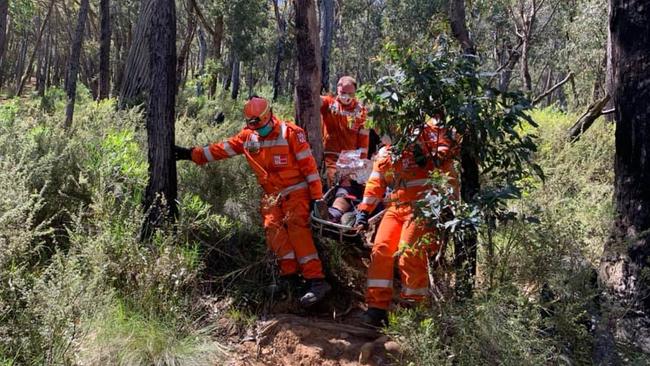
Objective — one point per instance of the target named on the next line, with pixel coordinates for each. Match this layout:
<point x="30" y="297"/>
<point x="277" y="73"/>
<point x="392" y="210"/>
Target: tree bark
<point x="465" y="251"/>
<point x="37" y="45"/>
<point x="309" y="81"/>
<point x="104" y="49"/>
<point x="625" y="263"/>
<point x="585" y="121"/>
<point x="327" y="33"/>
<point x="73" y="62"/>
<point x="160" y="197"/>
<point x="4" y="10"/>
<point x="136" y="70"/>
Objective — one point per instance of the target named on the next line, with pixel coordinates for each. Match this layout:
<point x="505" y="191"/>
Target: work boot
<point x="317" y="290"/>
<point x="284" y="286"/>
<point x="375" y="317"/>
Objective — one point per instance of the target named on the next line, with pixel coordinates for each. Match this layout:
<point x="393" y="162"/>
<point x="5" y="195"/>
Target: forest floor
<point x="329" y="334"/>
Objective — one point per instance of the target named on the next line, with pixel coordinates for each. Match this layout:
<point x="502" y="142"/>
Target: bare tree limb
<point x="585" y="121"/>
<point x="553" y="88"/>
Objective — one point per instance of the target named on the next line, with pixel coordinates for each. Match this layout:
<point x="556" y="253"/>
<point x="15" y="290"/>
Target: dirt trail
<point x="330" y="335"/>
<point x="287" y="339"/>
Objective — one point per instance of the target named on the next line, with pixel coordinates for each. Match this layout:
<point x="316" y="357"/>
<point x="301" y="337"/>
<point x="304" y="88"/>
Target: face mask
<point x="266" y="130"/>
<point x="345" y="98"/>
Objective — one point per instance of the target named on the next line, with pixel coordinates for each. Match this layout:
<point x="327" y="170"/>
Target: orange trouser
<point x="397" y="230"/>
<point x="330" y="169"/>
<point x="288" y="235"/>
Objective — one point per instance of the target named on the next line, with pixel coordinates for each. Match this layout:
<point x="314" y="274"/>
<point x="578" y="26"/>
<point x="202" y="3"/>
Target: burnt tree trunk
<point x="327" y="33"/>
<point x="160" y="197"/>
<point x="104" y="49"/>
<point x="73" y="62"/>
<point x="309" y="80"/>
<point x="625" y="263"/>
<point x="465" y="251"/>
<point x="135" y="80"/>
<point x="279" y="50"/>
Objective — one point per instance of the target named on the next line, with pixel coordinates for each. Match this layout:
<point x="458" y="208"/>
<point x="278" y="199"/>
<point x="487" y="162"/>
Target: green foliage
<point x="121" y="336"/>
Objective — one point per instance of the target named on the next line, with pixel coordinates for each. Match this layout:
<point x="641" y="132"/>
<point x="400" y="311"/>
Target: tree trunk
<point x="309" y="80"/>
<point x="37" y="45"/>
<point x="465" y="251"/>
<point x="236" y="64"/>
<point x="458" y="26"/>
<point x="4" y="10"/>
<point x="73" y="62"/>
<point x="42" y="66"/>
<point x="136" y="70"/>
<point x="327" y="33"/>
<point x="160" y="197"/>
<point x="203" y="52"/>
<point x="185" y="49"/>
<point x="250" y="81"/>
<point x="525" y="72"/>
<point x="104" y="49"/>
<point x="625" y="262"/>
<point x="279" y="50"/>
<point x="217" y="38"/>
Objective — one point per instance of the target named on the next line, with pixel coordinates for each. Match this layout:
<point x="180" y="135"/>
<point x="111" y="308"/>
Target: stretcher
<point x="345" y="233"/>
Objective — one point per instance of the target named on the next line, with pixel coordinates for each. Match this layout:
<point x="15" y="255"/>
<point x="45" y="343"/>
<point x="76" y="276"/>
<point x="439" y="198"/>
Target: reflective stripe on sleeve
<point x="421" y="291"/>
<point x="370" y="200"/>
<point x="303" y="154"/>
<point x="207" y="153"/>
<point x="228" y="148"/>
<point x="364" y="131"/>
<point x="312" y="177"/>
<point x="380" y="283"/>
<point x="377" y="175"/>
<point x="307" y="258"/>
<point x="290" y="255"/>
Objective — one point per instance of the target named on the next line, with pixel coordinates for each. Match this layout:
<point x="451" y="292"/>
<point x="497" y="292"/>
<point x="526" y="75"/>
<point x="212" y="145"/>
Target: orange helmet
<point x="257" y="112"/>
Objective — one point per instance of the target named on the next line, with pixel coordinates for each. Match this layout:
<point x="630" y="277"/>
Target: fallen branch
<point x="552" y="89"/>
<point x="585" y="121"/>
<point x="608" y="111"/>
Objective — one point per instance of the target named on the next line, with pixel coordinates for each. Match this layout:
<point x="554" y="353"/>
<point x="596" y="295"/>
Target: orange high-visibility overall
<point x="399" y="229"/>
<point x="286" y="170"/>
<point x="343" y="129"/>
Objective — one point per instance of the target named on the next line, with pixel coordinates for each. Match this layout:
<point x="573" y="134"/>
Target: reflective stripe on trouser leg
<point x="277" y="238"/>
<point x="295" y="210"/>
<point x="413" y="263"/>
<point x="382" y="261"/>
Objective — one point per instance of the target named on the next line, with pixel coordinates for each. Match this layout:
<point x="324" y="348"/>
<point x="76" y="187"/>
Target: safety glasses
<point x="253" y="122"/>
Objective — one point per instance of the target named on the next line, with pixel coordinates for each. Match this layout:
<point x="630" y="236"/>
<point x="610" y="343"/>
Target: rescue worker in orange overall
<point x="343" y="121"/>
<point x="279" y="154"/>
<point x="408" y="176"/>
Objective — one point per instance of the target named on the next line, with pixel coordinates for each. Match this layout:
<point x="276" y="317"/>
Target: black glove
<point x="182" y="153"/>
<point x="219" y="118"/>
<point x="361" y="219"/>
